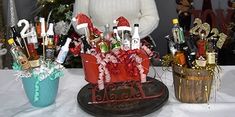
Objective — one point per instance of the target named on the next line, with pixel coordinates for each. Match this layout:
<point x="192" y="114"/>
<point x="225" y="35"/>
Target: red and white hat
<point x="122" y="23"/>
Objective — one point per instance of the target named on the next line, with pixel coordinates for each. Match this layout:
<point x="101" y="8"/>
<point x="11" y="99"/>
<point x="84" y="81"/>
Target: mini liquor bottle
<point x="16" y="36"/>
<point x="126" y="41"/>
<point x="116" y="35"/>
<point x="201" y="53"/>
<point x="201" y="45"/>
<point x="63" y="52"/>
<point x="177" y="32"/>
<point x="34" y="57"/>
<point x="107" y="34"/>
<point x="18" y="55"/>
<point x="171" y="45"/>
<point x="189" y="56"/>
<point x="50" y="48"/>
<point x="86" y="46"/>
<point x="103" y="45"/>
<point x="115" y="42"/>
<point x="34" y="38"/>
<point x="210" y="52"/>
<point x="180" y="58"/>
<point x="135" y="42"/>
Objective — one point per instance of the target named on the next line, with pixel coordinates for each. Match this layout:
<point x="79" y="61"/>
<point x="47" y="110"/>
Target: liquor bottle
<point x="177" y="32"/>
<point x="34" y="38"/>
<point x="63" y="52"/>
<point x="18" y="55"/>
<point x="16" y="36"/>
<point x="50" y="48"/>
<point x="107" y="33"/>
<point x="189" y="56"/>
<point x="103" y="45"/>
<point x="86" y="46"/>
<point x="126" y="41"/>
<point x="210" y="52"/>
<point x="57" y="43"/>
<point x="201" y="45"/>
<point x="207" y="7"/>
<point x="115" y="42"/>
<point x="201" y="52"/>
<point x="171" y="45"/>
<point x="191" y="43"/>
<point x="180" y="57"/>
<point x="135" y="42"/>
<point x="34" y="57"/>
<point x="116" y="35"/>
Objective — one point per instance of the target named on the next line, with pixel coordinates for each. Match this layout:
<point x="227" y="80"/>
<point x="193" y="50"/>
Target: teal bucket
<point x="46" y="91"/>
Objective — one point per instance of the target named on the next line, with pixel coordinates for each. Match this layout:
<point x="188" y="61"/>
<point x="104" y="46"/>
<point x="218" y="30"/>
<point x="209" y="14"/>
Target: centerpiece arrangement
<point x="194" y="60"/>
<point x="116" y="65"/>
<point x="38" y="60"/>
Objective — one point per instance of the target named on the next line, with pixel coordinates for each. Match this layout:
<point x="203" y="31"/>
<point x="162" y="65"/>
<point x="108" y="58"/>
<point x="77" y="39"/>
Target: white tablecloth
<point x="13" y="101"/>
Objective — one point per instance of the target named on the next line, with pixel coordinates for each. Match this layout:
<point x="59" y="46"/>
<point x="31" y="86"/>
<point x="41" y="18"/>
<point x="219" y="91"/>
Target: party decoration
<point x="36" y="72"/>
<point x="194" y="62"/>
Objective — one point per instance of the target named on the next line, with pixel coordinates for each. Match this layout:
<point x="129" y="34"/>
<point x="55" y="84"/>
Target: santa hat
<point x="122" y="23"/>
<point x="82" y="19"/>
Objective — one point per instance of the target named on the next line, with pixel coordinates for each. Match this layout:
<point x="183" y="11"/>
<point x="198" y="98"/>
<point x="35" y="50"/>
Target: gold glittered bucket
<point x="191" y="85"/>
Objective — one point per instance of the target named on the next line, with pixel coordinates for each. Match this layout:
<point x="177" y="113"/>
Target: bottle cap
<point x="175" y="21"/>
<point x="11" y="41"/>
<point x="136" y="25"/>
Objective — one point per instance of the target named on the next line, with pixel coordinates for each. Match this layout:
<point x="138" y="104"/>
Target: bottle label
<point x="180" y="57"/>
<point x="50" y="53"/>
<point x="201" y="63"/>
<point x="103" y="47"/>
<point x="61" y="56"/>
<point x="34" y="63"/>
<point x="23" y="61"/>
<point x="135" y="43"/>
<point x="210" y="57"/>
<point x="178" y="35"/>
<point x="126" y="44"/>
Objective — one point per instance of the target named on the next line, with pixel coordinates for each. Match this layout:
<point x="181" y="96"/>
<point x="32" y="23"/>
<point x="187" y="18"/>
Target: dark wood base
<point x="128" y="108"/>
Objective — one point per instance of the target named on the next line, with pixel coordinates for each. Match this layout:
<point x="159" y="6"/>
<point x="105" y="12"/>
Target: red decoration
<point x="122" y="21"/>
<point x="122" y="74"/>
<point x="82" y="18"/>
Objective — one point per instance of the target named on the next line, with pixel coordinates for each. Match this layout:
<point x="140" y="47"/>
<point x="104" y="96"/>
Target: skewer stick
<point x="43" y="34"/>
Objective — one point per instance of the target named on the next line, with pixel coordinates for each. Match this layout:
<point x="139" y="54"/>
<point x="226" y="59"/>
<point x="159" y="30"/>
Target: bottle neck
<point x="67" y="42"/>
<point x="50" y="31"/>
<point x="136" y="31"/>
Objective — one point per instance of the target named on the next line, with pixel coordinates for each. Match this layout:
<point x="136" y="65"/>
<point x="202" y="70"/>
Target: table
<point x="14" y="102"/>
